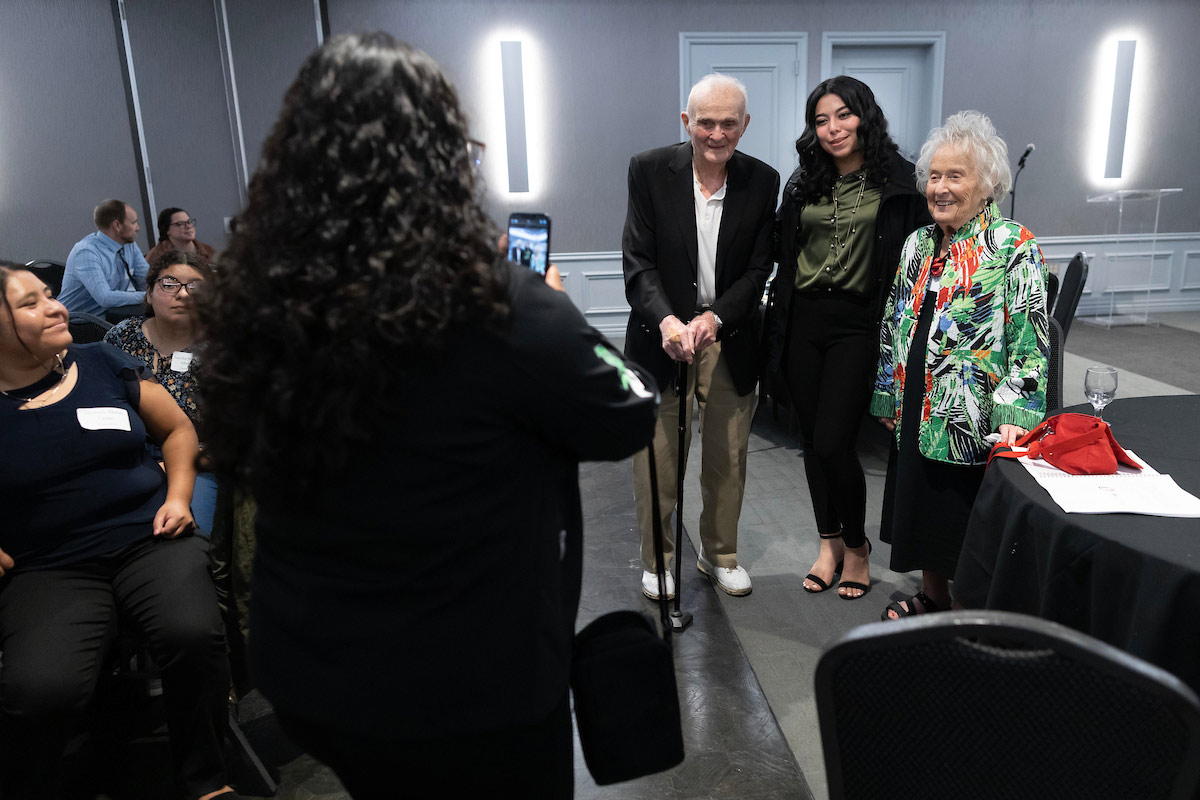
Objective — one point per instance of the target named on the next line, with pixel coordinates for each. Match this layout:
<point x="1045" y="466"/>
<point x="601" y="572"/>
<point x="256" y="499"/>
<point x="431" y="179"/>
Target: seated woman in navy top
<point x="94" y="530"/>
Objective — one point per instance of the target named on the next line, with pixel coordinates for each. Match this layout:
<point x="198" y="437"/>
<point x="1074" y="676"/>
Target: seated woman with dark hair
<point x="410" y="419"/>
<point x="177" y="231"/>
<point x="165" y="340"/>
<point x="94" y="531"/>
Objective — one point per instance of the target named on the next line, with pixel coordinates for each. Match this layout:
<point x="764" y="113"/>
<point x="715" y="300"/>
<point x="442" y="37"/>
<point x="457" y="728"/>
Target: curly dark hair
<point x="362" y="248"/>
<point x="877" y="146"/>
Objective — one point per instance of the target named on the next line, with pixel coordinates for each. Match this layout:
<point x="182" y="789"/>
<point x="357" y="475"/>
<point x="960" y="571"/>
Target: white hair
<point x="972" y="133"/>
<point x="711" y="82"/>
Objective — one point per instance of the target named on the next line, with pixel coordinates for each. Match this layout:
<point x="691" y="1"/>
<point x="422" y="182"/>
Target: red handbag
<point x="1076" y="443"/>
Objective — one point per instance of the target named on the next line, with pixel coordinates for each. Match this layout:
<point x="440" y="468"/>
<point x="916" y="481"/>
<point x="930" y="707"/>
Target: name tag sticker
<point x="180" y="361"/>
<point x="103" y="419"/>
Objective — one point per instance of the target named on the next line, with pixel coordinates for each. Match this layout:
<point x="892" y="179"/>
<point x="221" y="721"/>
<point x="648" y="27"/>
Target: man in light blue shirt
<point x="106" y="269"/>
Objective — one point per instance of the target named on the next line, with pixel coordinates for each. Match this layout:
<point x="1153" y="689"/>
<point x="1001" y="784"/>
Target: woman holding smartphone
<point x="846" y="212"/>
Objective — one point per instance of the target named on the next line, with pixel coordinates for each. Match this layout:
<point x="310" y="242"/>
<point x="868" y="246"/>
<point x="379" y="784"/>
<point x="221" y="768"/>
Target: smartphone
<point x="529" y="240"/>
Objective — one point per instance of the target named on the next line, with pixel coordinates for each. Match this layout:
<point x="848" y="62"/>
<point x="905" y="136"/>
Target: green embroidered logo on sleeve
<point x="629" y="380"/>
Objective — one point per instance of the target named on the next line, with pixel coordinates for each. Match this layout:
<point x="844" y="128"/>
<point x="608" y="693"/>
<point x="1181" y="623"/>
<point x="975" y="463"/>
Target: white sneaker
<point x="650" y="585"/>
<point x="734" y="581"/>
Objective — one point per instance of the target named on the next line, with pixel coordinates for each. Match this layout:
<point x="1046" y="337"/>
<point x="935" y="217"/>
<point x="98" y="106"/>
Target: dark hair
<point x="170" y="259"/>
<point x="7" y="268"/>
<point x="108" y="212"/>
<point x="878" y="149"/>
<point x="164" y="223"/>
<point x="362" y="248"/>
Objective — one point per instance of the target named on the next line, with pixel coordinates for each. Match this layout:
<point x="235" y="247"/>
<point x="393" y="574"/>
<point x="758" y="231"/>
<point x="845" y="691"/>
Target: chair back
<point x="1054" y="369"/>
<point x="1051" y="291"/>
<point x="991" y="705"/>
<point x="86" y="327"/>
<point x="50" y="273"/>
<point x="1072" y="289"/>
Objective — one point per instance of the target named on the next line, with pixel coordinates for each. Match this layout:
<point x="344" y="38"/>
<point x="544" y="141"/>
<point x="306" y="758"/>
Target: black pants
<point x="56" y="627"/>
<point x="528" y="761"/>
<point x="833" y="343"/>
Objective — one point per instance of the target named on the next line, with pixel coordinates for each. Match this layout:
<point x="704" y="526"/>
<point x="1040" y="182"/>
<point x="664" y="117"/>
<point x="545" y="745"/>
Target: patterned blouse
<point x="129" y="336"/>
<point x="988" y="348"/>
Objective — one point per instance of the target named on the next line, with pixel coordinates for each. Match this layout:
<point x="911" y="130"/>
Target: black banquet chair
<point x="1051" y="291"/>
<point x="50" y="273"/>
<point x="1054" y="369"/>
<point x="990" y="704"/>
<point x="1070" y="291"/>
<point x="87" y="327"/>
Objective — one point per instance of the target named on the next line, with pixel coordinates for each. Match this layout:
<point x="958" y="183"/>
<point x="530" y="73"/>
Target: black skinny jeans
<point x="56" y="626"/>
<point x="833" y="340"/>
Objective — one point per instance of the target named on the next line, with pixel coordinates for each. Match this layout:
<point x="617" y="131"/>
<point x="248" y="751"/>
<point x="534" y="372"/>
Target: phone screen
<point x="529" y="240"/>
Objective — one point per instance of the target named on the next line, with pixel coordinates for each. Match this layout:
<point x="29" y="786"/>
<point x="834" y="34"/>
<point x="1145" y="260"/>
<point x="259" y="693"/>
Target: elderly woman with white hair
<point x="963" y="353"/>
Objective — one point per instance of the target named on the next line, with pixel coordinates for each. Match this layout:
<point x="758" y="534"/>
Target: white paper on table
<point x="1129" y="491"/>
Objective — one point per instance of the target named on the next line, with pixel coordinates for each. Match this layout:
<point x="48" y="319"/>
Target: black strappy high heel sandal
<point x="863" y="587"/>
<point x="837" y="570"/>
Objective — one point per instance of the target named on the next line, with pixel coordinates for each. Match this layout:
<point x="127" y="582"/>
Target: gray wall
<point x="64" y="140"/>
<point x="611" y="84"/>
<point x="189" y="144"/>
<point x="614" y="68"/>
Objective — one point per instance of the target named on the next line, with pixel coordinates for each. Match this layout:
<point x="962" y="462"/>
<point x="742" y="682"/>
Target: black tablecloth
<point x="1132" y="581"/>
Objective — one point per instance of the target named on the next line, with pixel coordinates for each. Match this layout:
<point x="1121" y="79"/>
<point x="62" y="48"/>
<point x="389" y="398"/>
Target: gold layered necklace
<point x="38" y="389"/>
<point x="844" y="248"/>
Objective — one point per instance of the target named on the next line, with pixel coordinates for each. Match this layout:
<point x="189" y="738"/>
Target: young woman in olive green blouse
<point x="846" y="212"/>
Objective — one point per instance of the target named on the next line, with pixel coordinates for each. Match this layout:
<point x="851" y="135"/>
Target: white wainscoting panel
<point x="596" y="283"/>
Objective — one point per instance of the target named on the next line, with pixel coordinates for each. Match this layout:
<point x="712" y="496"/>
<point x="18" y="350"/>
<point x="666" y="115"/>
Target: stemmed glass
<point x="1100" y="387"/>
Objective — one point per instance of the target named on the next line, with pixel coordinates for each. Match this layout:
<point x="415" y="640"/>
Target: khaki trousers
<point x="725" y="419"/>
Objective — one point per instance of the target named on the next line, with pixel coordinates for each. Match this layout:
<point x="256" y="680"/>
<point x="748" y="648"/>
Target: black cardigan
<point x="902" y="209"/>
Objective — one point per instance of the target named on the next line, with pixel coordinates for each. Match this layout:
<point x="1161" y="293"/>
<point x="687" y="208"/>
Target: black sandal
<point x="927" y="606"/>
<point x="837" y="570"/>
<point x="863" y="587"/>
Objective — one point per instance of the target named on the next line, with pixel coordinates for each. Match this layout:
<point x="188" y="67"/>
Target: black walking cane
<point x="680" y="619"/>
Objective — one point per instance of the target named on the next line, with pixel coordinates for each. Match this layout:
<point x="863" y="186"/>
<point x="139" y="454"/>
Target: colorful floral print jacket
<point x="988" y="348"/>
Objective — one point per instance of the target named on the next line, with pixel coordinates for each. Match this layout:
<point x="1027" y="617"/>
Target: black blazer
<point x="659" y="257"/>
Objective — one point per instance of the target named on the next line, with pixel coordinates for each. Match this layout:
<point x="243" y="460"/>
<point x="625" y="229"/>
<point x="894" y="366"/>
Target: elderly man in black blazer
<point x="696" y="253"/>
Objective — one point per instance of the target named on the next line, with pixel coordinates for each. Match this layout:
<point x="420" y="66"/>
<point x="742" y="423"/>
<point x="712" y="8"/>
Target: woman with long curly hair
<point x="409" y="412"/>
<point x="845" y="213"/>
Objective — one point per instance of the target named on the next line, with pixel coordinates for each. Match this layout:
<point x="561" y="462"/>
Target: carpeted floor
<point x="1152" y="350"/>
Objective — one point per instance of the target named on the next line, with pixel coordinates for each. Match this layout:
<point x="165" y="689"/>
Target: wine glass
<point x="1100" y="387"/>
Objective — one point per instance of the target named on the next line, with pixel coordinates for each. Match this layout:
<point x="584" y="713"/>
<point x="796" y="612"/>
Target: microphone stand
<point x="1012" y="193"/>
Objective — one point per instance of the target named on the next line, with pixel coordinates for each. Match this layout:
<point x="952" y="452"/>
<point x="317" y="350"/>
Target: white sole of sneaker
<point x="708" y="570"/>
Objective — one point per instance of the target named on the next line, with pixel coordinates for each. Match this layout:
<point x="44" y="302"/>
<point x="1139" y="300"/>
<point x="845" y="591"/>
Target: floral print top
<point x="129" y="336"/>
<point x="988" y="347"/>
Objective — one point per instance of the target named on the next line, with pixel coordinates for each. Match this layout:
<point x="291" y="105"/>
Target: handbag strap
<point x="659" y="555"/>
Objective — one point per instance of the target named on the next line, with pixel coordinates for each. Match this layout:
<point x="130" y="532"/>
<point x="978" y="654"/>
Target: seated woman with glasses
<point x="177" y="231"/>
<point x="165" y="340"/>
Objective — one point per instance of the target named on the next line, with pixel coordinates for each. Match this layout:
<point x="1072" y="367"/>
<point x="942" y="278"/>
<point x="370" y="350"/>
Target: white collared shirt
<point x="708" y="228"/>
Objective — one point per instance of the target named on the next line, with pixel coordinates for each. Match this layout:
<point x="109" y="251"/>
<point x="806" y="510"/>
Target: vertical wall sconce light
<point x="1119" y="117"/>
<point x="1115" y="131"/>
<point x="514" y="116"/>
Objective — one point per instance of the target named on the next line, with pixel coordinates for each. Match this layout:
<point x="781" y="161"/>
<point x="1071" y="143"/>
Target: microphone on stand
<point x="1029" y="148"/>
<point x="1012" y="208"/>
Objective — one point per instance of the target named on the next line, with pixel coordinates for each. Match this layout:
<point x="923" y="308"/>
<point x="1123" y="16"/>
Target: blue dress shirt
<point x="95" y="278"/>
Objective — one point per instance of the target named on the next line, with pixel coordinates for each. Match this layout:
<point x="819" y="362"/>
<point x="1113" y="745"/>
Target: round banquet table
<point x="1130" y="580"/>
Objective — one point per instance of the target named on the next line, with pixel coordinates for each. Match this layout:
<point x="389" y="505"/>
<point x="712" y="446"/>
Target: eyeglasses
<point x="475" y="150"/>
<point x="172" y="286"/>
<point x="184" y="223"/>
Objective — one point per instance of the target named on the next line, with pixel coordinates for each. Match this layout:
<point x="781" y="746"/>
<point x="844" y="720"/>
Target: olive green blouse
<point x="840" y="261"/>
